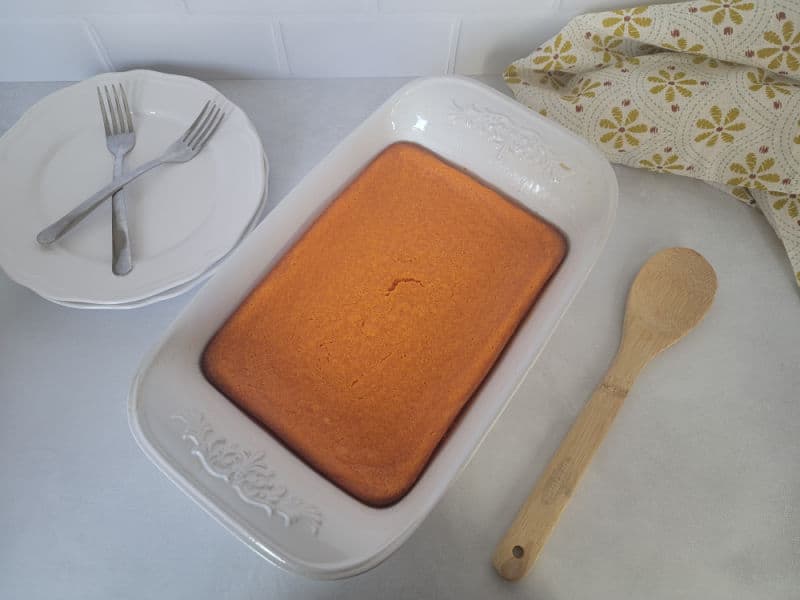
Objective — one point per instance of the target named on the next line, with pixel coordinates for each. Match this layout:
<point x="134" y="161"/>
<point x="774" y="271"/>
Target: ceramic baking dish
<point x="247" y="479"/>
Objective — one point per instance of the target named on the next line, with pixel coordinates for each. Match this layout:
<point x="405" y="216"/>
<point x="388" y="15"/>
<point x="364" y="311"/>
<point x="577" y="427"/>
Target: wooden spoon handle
<point x="520" y="546"/>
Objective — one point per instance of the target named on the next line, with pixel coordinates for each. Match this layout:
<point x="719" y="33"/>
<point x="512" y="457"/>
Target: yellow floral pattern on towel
<point x="707" y="89"/>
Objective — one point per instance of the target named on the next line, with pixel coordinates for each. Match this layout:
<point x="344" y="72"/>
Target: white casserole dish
<point x="247" y="479"/>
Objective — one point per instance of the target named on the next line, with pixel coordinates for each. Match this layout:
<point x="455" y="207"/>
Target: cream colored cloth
<point x="707" y="89"/>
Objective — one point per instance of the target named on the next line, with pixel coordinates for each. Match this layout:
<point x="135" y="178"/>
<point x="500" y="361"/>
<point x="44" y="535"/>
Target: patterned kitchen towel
<point x="707" y="89"/>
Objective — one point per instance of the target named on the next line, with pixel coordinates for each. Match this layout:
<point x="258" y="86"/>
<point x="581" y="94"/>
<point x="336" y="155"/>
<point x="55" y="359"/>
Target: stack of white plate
<point x="184" y="219"/>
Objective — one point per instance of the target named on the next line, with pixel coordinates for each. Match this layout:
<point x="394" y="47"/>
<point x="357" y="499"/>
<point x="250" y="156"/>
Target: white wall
<point x="43" y="40"/>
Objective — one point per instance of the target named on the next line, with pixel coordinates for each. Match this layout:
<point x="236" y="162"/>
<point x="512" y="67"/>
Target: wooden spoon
<point x="669" y="296"/>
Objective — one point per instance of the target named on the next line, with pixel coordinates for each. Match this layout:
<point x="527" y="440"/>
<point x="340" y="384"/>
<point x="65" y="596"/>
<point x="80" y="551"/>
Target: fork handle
<point x="121" y="263"/>
<point x="53" y="232"/>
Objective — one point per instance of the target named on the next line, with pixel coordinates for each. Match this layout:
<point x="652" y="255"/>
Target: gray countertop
<point x="694" y="494"/>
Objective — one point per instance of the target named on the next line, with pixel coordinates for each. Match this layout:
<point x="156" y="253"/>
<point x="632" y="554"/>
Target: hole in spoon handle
<point x="513" y="559"/>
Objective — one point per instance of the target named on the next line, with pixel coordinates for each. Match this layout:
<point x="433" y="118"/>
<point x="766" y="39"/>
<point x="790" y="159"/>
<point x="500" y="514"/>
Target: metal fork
<point x="120" y="139"/>
<point x="184" y="149"/>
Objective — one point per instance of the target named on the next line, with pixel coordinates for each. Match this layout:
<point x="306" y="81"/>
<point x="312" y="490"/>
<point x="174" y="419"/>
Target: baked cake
<point x="360" y="348"/>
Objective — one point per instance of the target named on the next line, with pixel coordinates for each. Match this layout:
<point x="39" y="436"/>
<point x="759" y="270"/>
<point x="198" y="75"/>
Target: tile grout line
<point x="455" y="38"/>
<point x="99" y="46"/>
<point x="280" y="48"/>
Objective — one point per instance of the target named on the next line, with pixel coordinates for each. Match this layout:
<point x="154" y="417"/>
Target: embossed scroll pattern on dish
<point x="247" y="472"/>
<point x="509" y="137"/>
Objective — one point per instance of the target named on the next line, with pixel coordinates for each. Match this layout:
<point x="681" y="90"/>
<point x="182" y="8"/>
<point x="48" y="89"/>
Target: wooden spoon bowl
<point x="670" y="295"/>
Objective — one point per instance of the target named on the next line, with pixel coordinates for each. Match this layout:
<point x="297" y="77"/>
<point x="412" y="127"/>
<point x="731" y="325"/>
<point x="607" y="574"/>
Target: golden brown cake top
<point x="359" y="349"/>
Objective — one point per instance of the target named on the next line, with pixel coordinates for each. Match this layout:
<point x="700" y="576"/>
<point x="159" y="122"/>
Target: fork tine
<point x="204" y="125"/>
<point x="189" y="131"/>
<point x="103" y="111"/>
<point x="114" y="129"/>
<point x="207" y="135"/>
<point x="127" y="108"/>
<point x="120" y="116"/>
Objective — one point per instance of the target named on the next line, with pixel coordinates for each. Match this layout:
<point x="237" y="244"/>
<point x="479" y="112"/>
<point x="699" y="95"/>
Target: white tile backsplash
<point x="50" y="8"/>
<point x="368" y="47"/>
<point x="466" y="7"/>
<point x="575" y="7"/>
<point x="209" y="48"/>
<point x="277" y="6"/>
<point x="488" y="44"/>
<point x="71" y="39"/>
<point x="47" y="51"/>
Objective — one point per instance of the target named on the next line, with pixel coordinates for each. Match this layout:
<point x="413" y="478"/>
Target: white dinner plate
<point x="183" y="218"/>
<point x="244" y="476"/>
